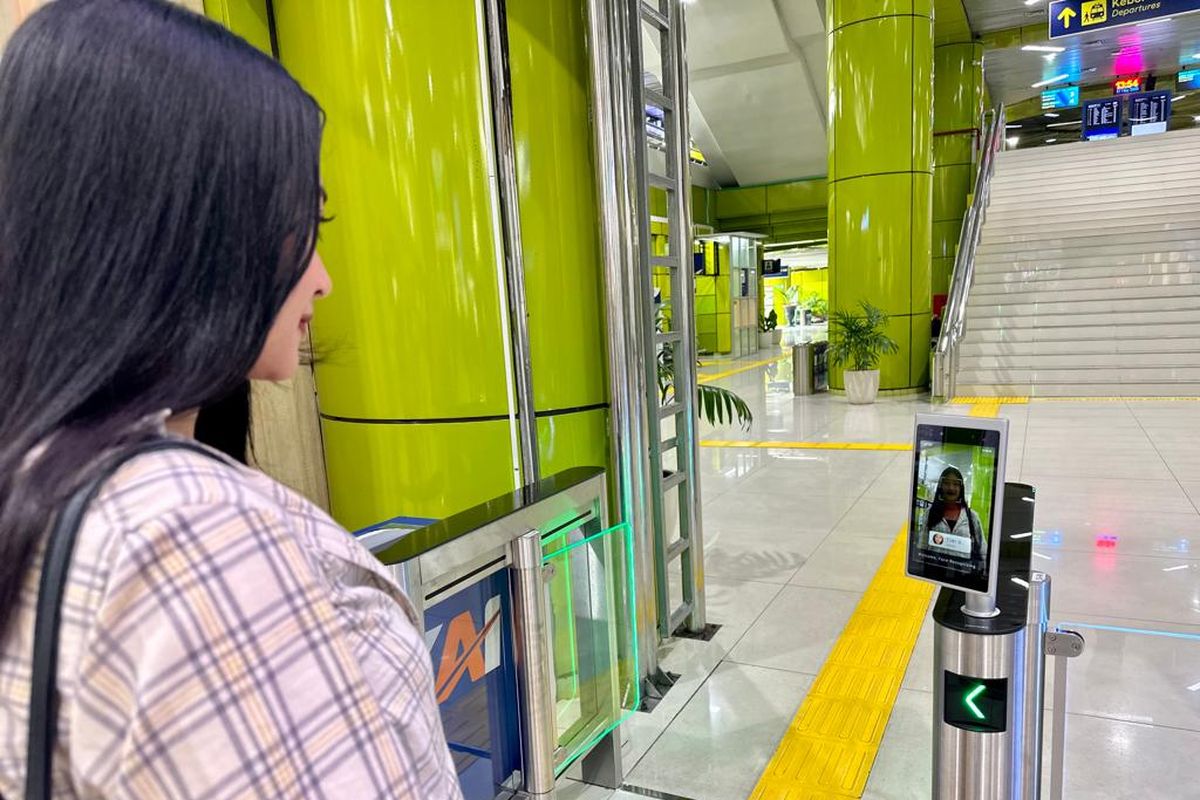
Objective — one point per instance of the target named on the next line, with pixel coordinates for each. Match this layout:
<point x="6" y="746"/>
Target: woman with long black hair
<point x="219" y="636"/>
<point x="950" y="515"/>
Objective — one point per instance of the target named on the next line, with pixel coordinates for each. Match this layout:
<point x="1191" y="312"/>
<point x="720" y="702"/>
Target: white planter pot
<point x="766" y="340"/>
<point x="776" y="337"/>
<point x="861" y="386"/>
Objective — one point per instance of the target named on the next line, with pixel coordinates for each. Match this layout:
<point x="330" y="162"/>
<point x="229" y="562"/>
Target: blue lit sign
<point x="1102" y="118"/>
<point x="1189" y="77"/>
<point x="1071" y="17"/>
<point x="1066" y="97"/>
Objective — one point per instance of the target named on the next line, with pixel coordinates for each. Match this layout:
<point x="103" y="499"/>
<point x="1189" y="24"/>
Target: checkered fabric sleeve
<point x="223" y="638"/>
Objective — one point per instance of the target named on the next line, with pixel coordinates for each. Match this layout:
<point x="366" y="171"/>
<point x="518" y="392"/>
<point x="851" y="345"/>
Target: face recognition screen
<point x="953" y="497"/>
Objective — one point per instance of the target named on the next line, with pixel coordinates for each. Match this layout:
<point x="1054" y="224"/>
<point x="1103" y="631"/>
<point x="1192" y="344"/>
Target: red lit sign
<point x="1127" y="86"/>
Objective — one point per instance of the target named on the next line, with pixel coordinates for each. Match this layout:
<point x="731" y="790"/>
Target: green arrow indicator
<point x="969" y="701"/>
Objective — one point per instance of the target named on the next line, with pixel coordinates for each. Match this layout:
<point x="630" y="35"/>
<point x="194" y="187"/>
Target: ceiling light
<point x="1032" y="2"/>
<point x="1155" y="21"/>
<point x="1051" y="115"/>
<point x="1195" y="56"/>
<point x="1042" y="48"/>
<point x="1178" y="97"/>
<point x="1064" y="124"/>
<point x="1012" y="141"/>
<point x="1016" y="125"/>
<point x="1196" y="118"/>
<point x="1051" y="141"/>
<point x="1048" y="81"/>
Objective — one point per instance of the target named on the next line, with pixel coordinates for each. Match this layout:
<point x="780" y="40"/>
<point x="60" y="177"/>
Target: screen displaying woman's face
<point x="951" y="488"/>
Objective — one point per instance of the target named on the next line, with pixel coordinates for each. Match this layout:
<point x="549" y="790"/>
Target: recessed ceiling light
<point x="1051" y="115"/>
<point x="1032" y="2"/>
<point x="1195" y="56"/>
<point x="1012" y="125"/>
<point x="1178" y="97"/>
<point x="1196" y="118"/>
<point x="1155" y="21"/>
<point x="1012" y="141"/>
<point x="1063" y="124"/>
<point x="1048" y="81"/>
<point x="1042" y="48"/>
<point x="1051" y="141"/>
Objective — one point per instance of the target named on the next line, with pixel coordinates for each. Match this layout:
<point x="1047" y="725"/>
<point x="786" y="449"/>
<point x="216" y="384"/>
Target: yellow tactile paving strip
<point x="763" y="445"/>
<point x="1004" y="401"/>
<point x="716" y="376"/>
<point x="830" y="746"/>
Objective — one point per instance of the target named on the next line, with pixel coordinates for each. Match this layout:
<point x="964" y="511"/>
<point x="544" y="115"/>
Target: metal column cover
<point x="534" y="664"/>
<point x="970" y="765"/>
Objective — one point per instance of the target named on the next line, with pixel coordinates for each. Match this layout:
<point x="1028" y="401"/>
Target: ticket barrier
<point x="991" y="635"/>
<point x="527" y="606"/>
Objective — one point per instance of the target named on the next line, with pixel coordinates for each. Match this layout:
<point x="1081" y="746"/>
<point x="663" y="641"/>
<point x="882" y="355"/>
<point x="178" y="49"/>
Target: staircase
<point x="1087" y="276"/>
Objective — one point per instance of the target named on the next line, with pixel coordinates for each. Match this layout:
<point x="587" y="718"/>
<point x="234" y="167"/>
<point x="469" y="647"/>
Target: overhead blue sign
<point x="1066" y="97"/>
<point x="1188" y="77"/>
<point x="1072" y="17"/>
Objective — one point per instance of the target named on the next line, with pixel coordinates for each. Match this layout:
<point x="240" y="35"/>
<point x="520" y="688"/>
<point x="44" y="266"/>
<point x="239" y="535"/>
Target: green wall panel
<point x="783" y="197"/>
<point x="573" y="440"/>
<point x="951" y="185"/>
<point x="949" y="150"/>
<point x="413" y="327"/>
<point x="921" y="243"/>
<point x="741" y="202"/>
<point x="246" y="18"/>
<point x="873" y="228"/>
<point x="382" y="471"/>
<point x="564" y="282"/>
<point x="846" y="12"/>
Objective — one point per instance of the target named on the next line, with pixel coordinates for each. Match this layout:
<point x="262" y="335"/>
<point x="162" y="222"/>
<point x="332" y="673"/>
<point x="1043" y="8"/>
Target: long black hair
<point x="159" y="198"/>
<point x="937" y="511"/>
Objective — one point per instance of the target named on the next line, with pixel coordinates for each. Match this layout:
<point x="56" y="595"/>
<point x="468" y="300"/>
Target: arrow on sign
<point x="969" y="700"/>
<point x="1064" y="17"/>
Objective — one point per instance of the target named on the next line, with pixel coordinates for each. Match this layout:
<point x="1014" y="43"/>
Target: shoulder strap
<point x="43" y="699"/>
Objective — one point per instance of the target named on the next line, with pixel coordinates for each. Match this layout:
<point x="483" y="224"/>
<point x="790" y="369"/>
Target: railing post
<point x="534" y="659"/>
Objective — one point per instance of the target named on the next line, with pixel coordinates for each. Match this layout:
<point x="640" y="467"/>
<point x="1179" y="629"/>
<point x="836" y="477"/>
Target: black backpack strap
<point x="43" y="698"/>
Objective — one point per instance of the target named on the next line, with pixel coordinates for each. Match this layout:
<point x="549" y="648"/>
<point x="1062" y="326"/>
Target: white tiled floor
<point x="794" y="536"/>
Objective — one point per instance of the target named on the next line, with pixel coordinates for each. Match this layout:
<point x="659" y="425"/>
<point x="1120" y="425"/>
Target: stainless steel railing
<point x="954" y="316"/>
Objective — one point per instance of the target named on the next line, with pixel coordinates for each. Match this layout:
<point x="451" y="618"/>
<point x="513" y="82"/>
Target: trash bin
<point x="802" y="369"/>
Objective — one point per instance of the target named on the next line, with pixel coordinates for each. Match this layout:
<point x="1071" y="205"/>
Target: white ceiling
<point x="757" y="79"/>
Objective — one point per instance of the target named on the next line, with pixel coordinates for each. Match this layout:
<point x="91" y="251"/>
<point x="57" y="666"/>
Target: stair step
<point x="1147" y="192"/>
<point x="1160" y="163"/>
<point x="1041" y="284"/>
<point x="1111" y="346"/>
<point x="1125" y="376"/>
<point x="1082" y="209"/>
<point x="1086" y="181"/>
<point x="1189" y="224"/>
<point x="1050" y="319"/>
<point x="1187" y="241"/>
<point x="1020" y="294"/>
<point x="1068" y="308"/>
<point x="1087" y="264"/>
<point x="1038" y="226"/>
<point x="1129" y="147"/>
<point x="1063" y="334"/>
<point x="1175" y="389"/>
<point x="1177" y="360"/>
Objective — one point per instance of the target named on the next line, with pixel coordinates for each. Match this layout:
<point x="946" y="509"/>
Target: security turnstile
<point x="989" y="677"/>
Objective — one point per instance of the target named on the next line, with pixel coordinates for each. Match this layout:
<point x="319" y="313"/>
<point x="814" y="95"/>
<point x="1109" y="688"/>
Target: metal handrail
<point x="954" y="315"/>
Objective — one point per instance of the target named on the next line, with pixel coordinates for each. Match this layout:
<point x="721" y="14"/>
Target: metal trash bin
<point x="802" y="369"/>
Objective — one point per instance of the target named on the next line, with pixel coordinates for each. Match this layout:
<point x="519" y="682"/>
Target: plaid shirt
<point x="223" y="638"/>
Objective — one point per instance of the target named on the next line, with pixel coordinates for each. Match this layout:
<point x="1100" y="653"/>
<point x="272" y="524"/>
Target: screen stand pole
<point x="980" y="605"/>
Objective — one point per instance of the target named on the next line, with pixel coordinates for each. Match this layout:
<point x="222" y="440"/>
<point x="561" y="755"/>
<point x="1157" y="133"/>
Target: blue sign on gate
<point x="1071" y="17"/>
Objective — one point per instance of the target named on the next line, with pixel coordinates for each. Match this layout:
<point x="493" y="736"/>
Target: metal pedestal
<point x="989" y="676"/>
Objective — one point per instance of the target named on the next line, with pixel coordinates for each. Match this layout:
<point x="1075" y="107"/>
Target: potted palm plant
<point x="768" y="330"/>
<point x="858" y="341"/>
<point x="714" y="404"/>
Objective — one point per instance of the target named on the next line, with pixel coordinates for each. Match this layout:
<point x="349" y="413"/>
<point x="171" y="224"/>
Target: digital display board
<point x="1127" y="85"/>
<point x="1102" y="118"/>
<point x="1066" y="97"/>
<point x="1188" y="79"/>
<point x="1150" y="107"/>
<point x="955" y="505"/>
<point x="975" y="704"/>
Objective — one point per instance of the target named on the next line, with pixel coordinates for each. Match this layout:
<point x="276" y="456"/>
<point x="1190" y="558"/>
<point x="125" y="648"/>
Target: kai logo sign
<point x="467" y="646"/>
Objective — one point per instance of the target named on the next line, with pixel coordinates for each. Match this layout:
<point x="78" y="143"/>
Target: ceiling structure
<point x="757" y="73"/>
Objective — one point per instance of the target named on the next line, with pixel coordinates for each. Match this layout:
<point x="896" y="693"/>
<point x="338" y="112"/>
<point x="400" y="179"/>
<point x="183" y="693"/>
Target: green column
<point x="413" y="376"/>
<point x="957" y="109"/>
<point x="560" y="233"/>
<point x="881" y="171"/>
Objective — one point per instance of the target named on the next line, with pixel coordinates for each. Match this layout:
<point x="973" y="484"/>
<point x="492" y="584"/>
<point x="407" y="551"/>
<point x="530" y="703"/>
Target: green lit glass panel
<point x="591" y="606"/>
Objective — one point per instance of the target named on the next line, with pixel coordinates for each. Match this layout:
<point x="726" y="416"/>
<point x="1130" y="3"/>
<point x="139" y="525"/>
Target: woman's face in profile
<point x="951" y="488"/>
<point x="281" y="354"/>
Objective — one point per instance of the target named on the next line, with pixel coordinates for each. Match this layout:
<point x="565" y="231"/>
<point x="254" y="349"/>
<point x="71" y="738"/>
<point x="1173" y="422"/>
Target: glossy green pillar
<point x="560" y="233"/>
<point x="881" y="172"/>
<point x="414" y="379"/>
<point x="957" y="110"/>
